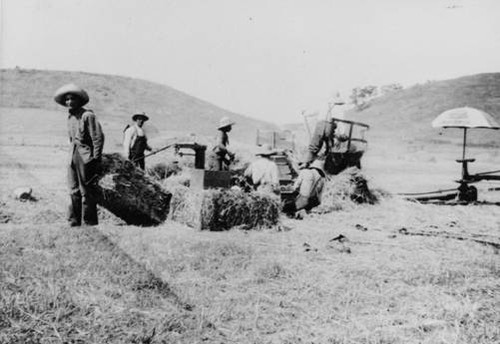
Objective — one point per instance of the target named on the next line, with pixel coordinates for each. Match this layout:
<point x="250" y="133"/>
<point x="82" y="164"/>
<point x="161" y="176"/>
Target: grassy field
<point x="291" y="284"/>
<point x="393" y="272"/>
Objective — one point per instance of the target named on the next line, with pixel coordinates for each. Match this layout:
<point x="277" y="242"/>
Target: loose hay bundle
<point x="185" y="205"/>
<point x="344" y="191"/>
<point x="129" y="194"/>
<point x="164" y="170"/>
<point x="222" y="209"/>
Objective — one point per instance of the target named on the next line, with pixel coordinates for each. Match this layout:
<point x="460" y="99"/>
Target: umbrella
<point x="465" y="118"/>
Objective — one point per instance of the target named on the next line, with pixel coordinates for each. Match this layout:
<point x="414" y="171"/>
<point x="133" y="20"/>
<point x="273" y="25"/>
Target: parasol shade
<point x="465" y="117"/>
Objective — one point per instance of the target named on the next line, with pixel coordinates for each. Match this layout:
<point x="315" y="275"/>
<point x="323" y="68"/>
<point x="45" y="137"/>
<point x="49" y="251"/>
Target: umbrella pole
<point x="465" y="140"/>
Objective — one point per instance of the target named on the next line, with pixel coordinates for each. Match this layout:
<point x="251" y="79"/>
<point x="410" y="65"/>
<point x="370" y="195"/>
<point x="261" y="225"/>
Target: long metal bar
<point x="426" y="193"/>
<point x="490" y="172"/>
<point x="349" y="122"/>
<point x="350" y="136"/>
<point x="155" y="152"/>
<point x="306" y="124"/>
<point x="465" y="140"/>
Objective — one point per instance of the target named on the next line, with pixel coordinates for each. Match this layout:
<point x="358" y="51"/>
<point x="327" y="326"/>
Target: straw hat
<point x="265" y="150"/>
<point x="61" y="93"/>
<point x="225" y="122"/>
<point x="318" y="164"/>
<point x="140" y="115"/>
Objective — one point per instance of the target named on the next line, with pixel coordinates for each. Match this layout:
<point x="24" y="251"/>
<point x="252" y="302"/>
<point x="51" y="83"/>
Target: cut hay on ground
<point x="222" y="209"/>
<point x="344" y="191"/>
<point x="128" y="193"/>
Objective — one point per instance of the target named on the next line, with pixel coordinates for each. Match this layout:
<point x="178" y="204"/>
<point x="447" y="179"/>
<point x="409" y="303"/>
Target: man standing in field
<point x="135" y="141"/>
<point x="264" y="172"/>
<point x="224" y="156"/>
<point x="86" y="143"/>
<point x="323" y="135"/>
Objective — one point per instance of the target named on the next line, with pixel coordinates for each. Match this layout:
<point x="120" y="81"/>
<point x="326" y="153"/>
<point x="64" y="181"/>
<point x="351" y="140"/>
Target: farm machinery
<point x="346" y="153"/>
<point x="462" y="118"/>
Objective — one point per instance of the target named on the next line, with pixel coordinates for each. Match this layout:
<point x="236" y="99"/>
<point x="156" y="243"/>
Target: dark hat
<point x="139" y="115"/>
<point x="60" y="95"/>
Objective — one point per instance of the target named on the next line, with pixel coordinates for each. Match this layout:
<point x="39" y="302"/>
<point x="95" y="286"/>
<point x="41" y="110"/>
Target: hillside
<point x="406" y="115"/>
<point x="115" y="98"/>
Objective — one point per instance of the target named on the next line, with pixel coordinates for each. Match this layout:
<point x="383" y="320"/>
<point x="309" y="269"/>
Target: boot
<point x="75" y="210"/>
<point x="89" y="211"/>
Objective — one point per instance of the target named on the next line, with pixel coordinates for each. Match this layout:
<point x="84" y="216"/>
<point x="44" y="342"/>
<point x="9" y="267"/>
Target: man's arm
<point x="127" y="140"/>
<point x="298" y="181"/>
<point x="96" y="134"/>
<point x="220" y="146"/>
<point x="316" y="142"/>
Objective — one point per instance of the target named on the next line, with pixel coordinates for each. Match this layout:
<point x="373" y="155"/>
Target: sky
<point x="265" y="59"/>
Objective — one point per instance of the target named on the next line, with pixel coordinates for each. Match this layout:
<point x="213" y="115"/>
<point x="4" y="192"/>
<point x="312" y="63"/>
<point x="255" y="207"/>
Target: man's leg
<point x="141" y="162"/>
<point x="88" y="189"/>
<point x="75" y="205"/>
<point x="301" y="202"/>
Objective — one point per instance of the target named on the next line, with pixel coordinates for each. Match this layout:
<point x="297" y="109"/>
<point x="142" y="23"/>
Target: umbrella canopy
<point x="465" y="117"/>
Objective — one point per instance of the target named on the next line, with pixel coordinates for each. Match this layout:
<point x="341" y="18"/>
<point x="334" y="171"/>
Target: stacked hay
<point x="344" y="191"/>
<point x="164" y="170"/>
<point x="185" y="205"/>
<point x="128" y="193"/>
<point x="222" y="209"/>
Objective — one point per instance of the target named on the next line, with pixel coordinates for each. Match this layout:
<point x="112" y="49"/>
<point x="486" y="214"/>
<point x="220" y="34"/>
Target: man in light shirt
<point x="263" y="172"/>
<point x="135" y="141"/>
<point x="308" y="188"/>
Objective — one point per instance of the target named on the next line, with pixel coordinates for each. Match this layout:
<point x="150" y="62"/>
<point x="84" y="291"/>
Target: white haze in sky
<point x="265" y="59"/>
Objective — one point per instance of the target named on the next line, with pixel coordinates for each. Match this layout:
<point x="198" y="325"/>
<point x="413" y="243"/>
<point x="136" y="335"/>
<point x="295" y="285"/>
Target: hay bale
<point x="130" y="194"/>
<point x="185" y="205"/>
<point x="344" y="191"/>
<point x="222" y="209"/>
<point x="163" y="170"/>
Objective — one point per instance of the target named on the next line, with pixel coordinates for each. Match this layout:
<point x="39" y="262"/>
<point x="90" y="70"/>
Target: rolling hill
<point x="406" y="116"/>
<point x="115" y="98"/>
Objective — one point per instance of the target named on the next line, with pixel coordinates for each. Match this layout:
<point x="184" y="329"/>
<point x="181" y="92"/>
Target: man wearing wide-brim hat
<point x="263" y="172"/>
<point x="308" y="186"/>
<point x="224" y="156"/>
<point x="135" y="141"/>
<point x="86" y="145"/>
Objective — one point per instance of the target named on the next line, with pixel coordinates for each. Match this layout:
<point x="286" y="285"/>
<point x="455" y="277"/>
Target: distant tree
<point x="390" y="88"/>
<point x="360" y="96"/>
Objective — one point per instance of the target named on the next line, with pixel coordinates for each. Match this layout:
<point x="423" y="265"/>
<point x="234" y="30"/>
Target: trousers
<point x="83" y="191"/>
<point x="137" y="152"/>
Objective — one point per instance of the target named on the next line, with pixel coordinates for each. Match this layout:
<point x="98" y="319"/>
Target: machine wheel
<point x="467" y="193"/>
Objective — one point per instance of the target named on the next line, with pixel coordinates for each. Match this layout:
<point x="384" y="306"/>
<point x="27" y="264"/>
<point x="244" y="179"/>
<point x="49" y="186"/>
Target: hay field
<point x="352" y="276"/>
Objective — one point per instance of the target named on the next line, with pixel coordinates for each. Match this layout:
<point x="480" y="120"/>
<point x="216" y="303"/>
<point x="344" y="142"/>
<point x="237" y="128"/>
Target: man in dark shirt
<point x="86" y="143"/>
<point x="224" y="156"/>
